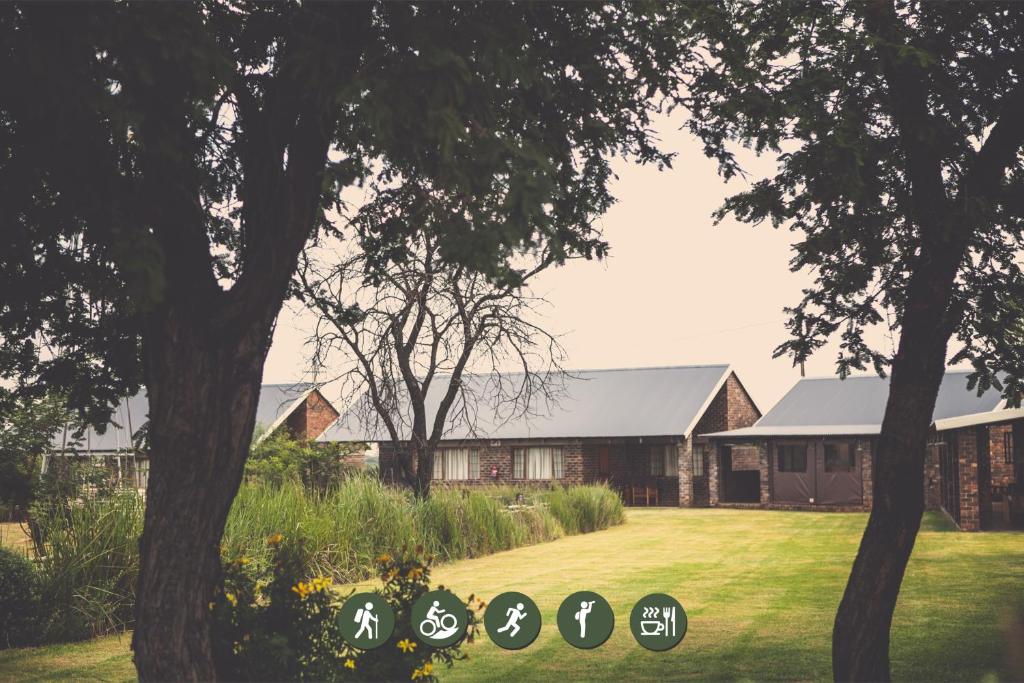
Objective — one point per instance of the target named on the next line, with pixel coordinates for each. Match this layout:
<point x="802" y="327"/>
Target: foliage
<point x="276" y="624"/>
<point x="88" y="554"/>
<point x="344" y="529"/>
<point x="281" y="457"/>
<point x="27" y="427"/>
<point x="21" y="606"/>
<point x="820" y="93"/>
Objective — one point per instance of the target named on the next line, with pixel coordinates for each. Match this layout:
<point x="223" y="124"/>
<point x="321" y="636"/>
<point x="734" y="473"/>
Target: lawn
<point x="760" y="589"/>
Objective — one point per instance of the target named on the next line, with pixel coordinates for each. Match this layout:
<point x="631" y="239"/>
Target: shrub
<point x="89" y="562"/>
<point x="582" y="509"/>
<point x="277" y="624"/>
<point x="20" y="604"/>
<point x="281" y="458"/>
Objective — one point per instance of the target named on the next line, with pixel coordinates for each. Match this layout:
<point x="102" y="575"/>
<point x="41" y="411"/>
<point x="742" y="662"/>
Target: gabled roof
<point x="625" y="402"/>
<point x="277" y="402"/>
<point x="855" y="406"/>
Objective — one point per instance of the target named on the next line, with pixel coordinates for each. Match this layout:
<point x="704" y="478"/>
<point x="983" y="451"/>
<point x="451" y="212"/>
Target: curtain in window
<point x="657" y="461"/>
<point x="698" y="461"/>
<point x="438" y="464"/>
<point x="456" y="464"/>
<point x="519" y="463"/>
<point x="539" y="463"/>
<point x="557" y="463"/>
<point x="671" y="461"/>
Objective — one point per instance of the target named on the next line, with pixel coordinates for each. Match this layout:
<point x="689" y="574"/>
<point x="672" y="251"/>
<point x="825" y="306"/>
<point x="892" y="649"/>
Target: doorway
<point x="817" y="472"/>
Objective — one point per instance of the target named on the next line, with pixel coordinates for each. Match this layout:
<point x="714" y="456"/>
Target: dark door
<point x="794" y="475"/>
<point x="839" y="480"/>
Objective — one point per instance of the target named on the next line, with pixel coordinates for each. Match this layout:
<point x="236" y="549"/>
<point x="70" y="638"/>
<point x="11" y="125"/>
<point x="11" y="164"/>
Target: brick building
<point x="299" y="408"/>
<point x="815" y="450"/>
<point x="632" y="428"/>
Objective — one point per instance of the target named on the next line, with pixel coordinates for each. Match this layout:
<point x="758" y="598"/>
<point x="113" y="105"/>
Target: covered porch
<point x="644" y="472"/>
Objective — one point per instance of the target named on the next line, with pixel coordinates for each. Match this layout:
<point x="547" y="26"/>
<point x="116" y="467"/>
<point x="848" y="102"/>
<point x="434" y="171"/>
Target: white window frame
<point x="538" y="463"/>
<point x="447" y="468"/>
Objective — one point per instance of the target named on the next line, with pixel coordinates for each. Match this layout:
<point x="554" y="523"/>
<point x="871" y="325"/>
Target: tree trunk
<point x="860" y="637"/>
<point x="423" y="456"/>
<point x="204" y="383"/>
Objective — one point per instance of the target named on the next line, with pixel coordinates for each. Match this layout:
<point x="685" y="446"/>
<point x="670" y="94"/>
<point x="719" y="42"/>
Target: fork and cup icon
<point x="658" y="621"/>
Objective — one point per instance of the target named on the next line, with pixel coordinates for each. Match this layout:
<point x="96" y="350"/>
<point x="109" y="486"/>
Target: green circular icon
<point x="366" y="621"/>
<point x="439" y="618"/>
<point x="658" y="621"/>
<point x="585" y="620"/>
<point x="512" y="620"/>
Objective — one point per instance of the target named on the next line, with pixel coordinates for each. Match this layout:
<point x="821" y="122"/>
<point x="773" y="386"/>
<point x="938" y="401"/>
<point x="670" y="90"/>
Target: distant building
<point x="633" y="428"/>
<point x="815" y="449"/>
<point x="299" y="408"/>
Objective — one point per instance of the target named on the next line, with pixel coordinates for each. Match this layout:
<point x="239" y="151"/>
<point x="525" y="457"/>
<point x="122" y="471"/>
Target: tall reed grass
<point x="88" y="552"/>
<point x="88" y="558"/>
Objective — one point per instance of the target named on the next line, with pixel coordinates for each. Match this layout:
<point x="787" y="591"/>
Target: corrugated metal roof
<point x="626" y="402"/>
<point x="277" y="401"/>
<point x="855" y="406"/>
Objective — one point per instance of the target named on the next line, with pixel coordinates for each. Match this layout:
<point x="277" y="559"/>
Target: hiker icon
<point x="586" y="607"/>
<point x="438" y="624"/>
<point x="515" y="615"/>
<point x="368" y="621"/>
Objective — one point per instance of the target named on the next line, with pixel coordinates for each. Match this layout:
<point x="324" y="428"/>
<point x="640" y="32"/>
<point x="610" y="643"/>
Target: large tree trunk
<point x="860" y="637"/>
<point x="204" y="383"/>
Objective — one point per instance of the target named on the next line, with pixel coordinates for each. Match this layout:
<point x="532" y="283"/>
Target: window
<point x="664" y="461"/>
<point x="538" y="463"/>
<point x="792" y="457"/>
<point x="839" y="457"/>
<point x="456" y="464"/>
<point x="1008" y="448"/>
<point x="698" y="461"/>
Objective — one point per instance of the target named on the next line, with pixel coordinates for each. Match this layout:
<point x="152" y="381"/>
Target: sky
<point x="675" y="289"/>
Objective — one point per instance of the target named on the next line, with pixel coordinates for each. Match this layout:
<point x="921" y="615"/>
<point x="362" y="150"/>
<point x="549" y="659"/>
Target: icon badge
<point x="658" y="621"/>
<point x="585" y="620"/>
<point x="439" y="618"/>
<point x="366" y="621"/>
<point x="512" y="620"/>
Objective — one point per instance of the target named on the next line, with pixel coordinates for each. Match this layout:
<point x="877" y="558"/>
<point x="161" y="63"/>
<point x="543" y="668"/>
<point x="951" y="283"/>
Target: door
<point x="949" y="473"/>
<point x="794" y="474"/>
<point x="839" y="480"/>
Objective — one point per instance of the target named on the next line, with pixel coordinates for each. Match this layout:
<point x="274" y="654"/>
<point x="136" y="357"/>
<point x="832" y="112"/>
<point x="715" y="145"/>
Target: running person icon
<point x="514" y="614"/>
<point x="512" y="620"/>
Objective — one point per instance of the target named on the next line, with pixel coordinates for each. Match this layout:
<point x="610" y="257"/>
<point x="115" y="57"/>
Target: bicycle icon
<point x="439" y="624"/>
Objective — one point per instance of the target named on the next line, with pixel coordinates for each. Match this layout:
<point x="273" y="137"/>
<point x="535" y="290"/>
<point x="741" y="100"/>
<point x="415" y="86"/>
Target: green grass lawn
<point x="760" y="589"/>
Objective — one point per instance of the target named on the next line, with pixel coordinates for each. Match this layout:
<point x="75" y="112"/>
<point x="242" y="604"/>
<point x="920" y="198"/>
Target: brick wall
<point x="867" y="459"/>
<point x="312" y="417"/>
<point x="932" y="478"/>
<point x="967" y="452"/>
<point x="496" y="463"/>
<point x="731" y="408"/>
<point x="1002" y="471"/>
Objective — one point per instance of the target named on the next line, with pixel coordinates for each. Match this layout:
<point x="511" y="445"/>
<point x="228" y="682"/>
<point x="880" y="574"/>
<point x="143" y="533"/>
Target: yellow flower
<point x="427" y="668"/>
<point x="350" y="663"/>
<point x="406" y="645"/>
<point x="232" y="599"/>
<point x="416" y="673"/>
<point x="275" y="539"/>
<point x="385" y="558"/>
<point x="415" y="573"/>
<point x="302" y="589"/>
<point x="244" y="561"/>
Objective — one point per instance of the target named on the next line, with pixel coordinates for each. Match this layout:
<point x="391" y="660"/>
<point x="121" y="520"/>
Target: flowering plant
<point x="278" y="624"/>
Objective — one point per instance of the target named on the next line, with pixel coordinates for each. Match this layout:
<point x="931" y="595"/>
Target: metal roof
<point x="830" y="406"/>
<point x="277" y="401"/>
<point x="625" y="402"/>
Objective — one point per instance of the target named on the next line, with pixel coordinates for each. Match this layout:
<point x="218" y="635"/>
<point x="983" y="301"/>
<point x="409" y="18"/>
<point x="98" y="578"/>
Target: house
<point x="299" y="408"/>
<point x="631" y="427"/>
<point x="815" y="450"/>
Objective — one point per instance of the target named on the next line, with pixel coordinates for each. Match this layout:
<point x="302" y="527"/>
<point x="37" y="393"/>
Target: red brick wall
<point x="731" y="408"/>
<point x="970" y="504"/>
<point x="312" y="417"/>
<point x="1002" y="471"/>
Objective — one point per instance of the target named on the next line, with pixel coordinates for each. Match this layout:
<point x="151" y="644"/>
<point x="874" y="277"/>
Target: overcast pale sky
<point x="675" y="290"/>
